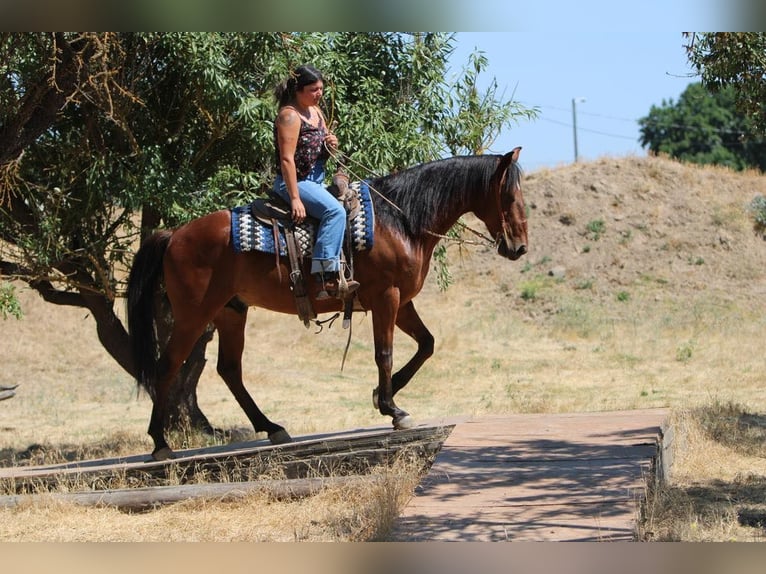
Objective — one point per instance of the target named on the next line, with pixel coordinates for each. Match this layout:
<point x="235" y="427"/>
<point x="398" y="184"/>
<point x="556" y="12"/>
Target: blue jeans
<point x="322" y="205"/>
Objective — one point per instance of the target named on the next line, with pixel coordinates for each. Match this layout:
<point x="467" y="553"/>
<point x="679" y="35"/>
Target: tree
<point x="737" y="60"/>
<point x="703" y="128"/>
<point x="106" y="136"/>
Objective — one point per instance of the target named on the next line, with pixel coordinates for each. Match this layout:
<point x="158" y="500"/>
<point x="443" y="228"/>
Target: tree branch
<point x="39" y="107"/>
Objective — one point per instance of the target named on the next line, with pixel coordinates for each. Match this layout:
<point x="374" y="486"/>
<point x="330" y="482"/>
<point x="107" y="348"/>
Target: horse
<point x="206" y="281"/>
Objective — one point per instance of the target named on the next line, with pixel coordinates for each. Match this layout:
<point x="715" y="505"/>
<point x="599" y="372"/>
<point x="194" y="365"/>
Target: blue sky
<point x="620" y="73"/>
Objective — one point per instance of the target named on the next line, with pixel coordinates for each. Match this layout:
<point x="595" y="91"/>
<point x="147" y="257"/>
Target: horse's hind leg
<point x="230" y="323"/>
<point x="178" y="349"/>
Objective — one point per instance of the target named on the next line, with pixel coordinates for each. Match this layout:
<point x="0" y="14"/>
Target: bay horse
<point x="203" y="276"/>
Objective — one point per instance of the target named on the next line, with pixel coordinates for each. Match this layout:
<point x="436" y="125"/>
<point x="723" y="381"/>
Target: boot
<point x="332" y="286"/>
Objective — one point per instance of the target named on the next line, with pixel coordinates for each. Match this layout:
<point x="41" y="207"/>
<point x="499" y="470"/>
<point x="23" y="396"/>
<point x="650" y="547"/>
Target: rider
<point x="302" y="140"/>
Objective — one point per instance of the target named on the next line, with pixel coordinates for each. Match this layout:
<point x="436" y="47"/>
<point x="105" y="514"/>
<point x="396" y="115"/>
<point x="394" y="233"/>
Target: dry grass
<point x="665" y="309"/>
<point x="362" y="511"/>
<point x="717" y="490"/>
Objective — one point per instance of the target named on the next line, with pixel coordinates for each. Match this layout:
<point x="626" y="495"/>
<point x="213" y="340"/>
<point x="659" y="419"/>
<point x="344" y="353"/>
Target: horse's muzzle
<point x="511" y="249"/>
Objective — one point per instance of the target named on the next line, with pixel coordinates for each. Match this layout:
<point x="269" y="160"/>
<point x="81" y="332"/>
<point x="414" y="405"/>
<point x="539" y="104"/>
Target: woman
<point x="302" y="141"/>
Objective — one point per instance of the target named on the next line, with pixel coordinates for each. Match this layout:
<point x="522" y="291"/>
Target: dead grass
<point x="717" y="489"/>
<point x="665" y="309"/>
<point x="362" y="511"/>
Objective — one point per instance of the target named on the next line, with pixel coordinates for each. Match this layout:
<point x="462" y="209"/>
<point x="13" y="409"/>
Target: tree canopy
<point x="106" y="136"/>
<point x="704" y="128"/>
<point x="736" y="60"/>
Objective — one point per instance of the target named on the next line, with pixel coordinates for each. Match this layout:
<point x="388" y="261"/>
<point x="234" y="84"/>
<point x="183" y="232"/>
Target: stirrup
<point x="337" y="288"/>
<point x="347" y="288"/>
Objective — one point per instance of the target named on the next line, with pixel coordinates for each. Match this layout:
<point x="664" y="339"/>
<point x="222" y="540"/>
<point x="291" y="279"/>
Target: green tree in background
<point x="106" y="136"/>
<point x="736" y="60"/>
<point x="704" y="128"/>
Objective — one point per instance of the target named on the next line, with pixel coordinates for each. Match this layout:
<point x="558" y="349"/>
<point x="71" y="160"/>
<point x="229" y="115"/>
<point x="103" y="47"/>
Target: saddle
<point x="274" y="212"/>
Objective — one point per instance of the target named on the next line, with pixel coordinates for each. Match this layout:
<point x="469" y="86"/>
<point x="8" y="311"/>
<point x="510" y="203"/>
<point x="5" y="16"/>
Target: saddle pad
<point x="249" y="234"/>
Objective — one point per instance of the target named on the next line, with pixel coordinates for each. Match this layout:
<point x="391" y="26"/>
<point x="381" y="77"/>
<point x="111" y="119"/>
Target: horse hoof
<point x="375" y="404"/>
<point x="164" y="453"/>
<point x="404" y="423"/>
<point x="280" y="437"/>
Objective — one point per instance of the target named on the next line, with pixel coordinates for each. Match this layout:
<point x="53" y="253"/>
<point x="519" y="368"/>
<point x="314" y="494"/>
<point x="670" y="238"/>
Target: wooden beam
<point x="142" y="499"/>
<point x="301" y="459"/>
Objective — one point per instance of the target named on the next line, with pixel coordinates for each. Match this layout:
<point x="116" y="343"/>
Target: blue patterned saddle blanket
<point x="250" y="234"/>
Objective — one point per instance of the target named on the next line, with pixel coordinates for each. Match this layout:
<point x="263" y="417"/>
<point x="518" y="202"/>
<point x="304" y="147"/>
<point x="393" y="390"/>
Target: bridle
<point x="505" y="234"/>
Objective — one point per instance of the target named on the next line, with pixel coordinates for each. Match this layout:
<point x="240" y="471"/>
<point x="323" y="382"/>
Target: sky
<point x="615" y="75"/>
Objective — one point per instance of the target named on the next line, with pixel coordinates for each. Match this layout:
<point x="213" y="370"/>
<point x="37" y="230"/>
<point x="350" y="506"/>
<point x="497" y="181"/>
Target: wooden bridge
<point x="516" y="477"/>
<point x="575" y="477"/>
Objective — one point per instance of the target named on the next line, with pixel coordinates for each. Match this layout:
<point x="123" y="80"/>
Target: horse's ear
<point x="507" y="159"/>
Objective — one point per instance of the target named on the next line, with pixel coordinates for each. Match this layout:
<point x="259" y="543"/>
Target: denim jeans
<point x="322" y="205"/>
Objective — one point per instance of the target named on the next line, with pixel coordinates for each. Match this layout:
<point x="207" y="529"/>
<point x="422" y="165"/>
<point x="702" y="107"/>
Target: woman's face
<point x="310" y="94"/>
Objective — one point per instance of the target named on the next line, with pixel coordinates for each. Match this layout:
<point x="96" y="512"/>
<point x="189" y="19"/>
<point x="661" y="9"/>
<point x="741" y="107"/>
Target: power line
<point x="582" y="129"/>
<point x="719" y="131"/>
<point x="587" y="113"/>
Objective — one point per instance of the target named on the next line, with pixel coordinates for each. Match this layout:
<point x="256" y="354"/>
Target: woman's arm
<point x="288" y="130"/>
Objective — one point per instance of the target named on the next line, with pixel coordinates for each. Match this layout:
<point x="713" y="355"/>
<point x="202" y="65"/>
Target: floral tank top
<point x="308" y="150"/>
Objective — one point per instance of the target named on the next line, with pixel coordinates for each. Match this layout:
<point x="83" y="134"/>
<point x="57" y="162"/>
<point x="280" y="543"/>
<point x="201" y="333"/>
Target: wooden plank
<point x="141" y="499"/>
<point x="342" y="453"/>
<point x="326" y="443"/>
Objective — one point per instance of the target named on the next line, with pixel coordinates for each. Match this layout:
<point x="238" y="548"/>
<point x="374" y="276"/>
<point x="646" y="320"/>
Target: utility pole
<point x="575" y="101"/>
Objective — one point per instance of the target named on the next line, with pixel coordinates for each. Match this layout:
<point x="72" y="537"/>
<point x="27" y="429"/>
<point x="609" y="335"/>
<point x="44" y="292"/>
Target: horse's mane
<point x="413" y="199"/>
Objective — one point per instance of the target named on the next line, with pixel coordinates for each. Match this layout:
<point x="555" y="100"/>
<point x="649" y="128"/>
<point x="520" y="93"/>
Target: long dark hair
<point x="301" y="76"/>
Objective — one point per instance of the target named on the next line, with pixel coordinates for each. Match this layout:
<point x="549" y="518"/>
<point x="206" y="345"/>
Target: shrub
<point x="757" y="208"/>
<point x="623" y="296"/>
<point x="596" y="229"/>
<point x="9" y="305"/>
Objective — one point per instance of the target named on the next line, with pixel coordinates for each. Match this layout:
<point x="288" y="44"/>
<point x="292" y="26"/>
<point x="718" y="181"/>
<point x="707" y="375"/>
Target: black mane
<point x="422" y="194"/>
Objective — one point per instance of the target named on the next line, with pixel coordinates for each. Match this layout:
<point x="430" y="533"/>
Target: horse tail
<point x="143" y="281"/>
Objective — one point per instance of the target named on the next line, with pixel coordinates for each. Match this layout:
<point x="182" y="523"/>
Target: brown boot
<point x="331" y="287"/>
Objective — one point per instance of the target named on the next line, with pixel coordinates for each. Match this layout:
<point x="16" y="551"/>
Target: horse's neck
<point x="443" y="222"/>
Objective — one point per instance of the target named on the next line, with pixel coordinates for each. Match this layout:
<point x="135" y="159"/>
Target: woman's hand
<point x="298" y="210"/>
<point x="331" y="141"/>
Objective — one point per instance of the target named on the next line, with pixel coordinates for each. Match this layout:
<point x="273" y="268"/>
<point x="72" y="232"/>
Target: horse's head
<point x="505" y="215"/>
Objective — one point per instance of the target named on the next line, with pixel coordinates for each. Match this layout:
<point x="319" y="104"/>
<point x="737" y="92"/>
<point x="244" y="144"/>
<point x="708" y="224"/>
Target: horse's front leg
<point x="383" y="320"/>
<point x="409" y="322"/>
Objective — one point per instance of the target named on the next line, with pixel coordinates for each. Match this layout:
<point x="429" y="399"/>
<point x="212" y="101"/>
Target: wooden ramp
<point x="568" y="477"/>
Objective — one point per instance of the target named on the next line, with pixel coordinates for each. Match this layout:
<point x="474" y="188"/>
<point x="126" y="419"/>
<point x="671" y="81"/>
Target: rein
<point x="339" y="157"/>
<point x="487" y="240"/>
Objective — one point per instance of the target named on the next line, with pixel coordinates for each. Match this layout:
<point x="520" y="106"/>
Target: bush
<point x="757" y="208"/>
<point x="9" y="305"/>
<point x="595" y="229"/>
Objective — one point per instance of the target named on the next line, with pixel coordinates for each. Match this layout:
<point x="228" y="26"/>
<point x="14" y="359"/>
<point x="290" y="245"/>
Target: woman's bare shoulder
<point x="287" y="116"/>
